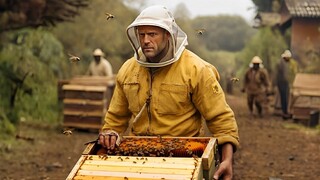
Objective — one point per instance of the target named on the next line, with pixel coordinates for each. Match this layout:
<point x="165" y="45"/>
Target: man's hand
<point x="225" y="167"/>
<point x="109" y="139"/>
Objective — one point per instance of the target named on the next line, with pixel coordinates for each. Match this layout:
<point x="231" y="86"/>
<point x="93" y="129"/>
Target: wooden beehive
<point x="85" y="101"/>
<point x="105" y="166"/>
<point x="305" y="96"/>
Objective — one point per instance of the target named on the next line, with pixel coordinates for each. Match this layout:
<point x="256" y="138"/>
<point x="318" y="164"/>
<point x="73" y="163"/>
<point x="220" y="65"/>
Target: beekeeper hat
<point x="98" y="52"/>
<point x="286" y="54"/>
<point x="256" y="60"/>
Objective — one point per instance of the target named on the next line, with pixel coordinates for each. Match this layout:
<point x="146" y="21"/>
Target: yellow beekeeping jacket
<point x="181" y="94"/>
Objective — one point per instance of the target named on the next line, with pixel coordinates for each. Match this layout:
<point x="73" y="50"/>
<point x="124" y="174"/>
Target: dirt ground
<point x="271" y="149"/>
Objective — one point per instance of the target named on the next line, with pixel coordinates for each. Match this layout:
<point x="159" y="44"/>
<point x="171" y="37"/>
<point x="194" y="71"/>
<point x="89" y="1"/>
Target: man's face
<point x="97" y="59"/>
<point x="154" y="42"/>
<point x="256" y="66"/>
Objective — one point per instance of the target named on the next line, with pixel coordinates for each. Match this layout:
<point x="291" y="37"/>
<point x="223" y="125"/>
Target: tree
<point x="16" y="14"/>
<point x="223" y="32"/>
<point x="268" y="45"/>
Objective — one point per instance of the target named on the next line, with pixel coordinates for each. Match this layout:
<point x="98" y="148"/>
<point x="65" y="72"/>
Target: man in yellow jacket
<point x="166" y="89"/>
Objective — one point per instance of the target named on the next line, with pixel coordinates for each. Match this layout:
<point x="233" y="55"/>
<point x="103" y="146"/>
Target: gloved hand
<point x="109" y="139"/>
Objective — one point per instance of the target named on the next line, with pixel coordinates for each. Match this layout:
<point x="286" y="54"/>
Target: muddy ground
<point x="271" y="149"/>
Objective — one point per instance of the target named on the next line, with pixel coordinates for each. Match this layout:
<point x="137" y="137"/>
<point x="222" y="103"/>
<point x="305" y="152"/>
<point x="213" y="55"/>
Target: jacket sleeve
<point x="118" y="115"/>
<point x="209" y="99"/>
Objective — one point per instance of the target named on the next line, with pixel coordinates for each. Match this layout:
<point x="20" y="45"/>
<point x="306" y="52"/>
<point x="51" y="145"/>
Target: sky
<point x="242" y="8"/>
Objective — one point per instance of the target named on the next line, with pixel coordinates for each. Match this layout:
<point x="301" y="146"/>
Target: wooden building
<point x="302" y="19"/>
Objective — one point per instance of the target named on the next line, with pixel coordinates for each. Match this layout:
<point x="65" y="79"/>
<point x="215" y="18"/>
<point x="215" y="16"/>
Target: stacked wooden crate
<point x="85" y="101"/>
<point x="105" y="166"/>
<point x="306" y="98"/>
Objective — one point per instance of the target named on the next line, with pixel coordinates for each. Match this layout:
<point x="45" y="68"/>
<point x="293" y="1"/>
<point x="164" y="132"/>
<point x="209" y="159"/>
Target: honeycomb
<point x="158" y="147"/>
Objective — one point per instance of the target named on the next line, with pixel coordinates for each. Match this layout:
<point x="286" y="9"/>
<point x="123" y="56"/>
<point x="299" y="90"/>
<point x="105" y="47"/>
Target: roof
<point x="303" y="8"/>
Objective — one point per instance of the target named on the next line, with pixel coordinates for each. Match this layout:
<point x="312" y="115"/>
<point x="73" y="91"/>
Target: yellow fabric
<point x="181" y="93"/>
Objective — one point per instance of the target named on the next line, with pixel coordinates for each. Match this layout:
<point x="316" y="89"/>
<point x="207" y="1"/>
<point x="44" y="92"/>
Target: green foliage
<point x="5" y="125"/>
<point x="228" y="33"/>
<point x="92" y="30"/>
<point x="268" y="45"/>
<point x="30" y="63"/>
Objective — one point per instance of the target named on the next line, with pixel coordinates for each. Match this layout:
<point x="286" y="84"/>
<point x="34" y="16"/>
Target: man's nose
<point x="146" y="39"/>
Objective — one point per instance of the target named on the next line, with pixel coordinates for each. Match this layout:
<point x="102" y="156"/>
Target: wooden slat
<point x="85" y="101"/>
<point x="134" y="175"/>
<point x="208" y="154"/>
<point x="144" y="169"/>
<point x="75" y="87"/>
<point x="84" y="114"/>
<point x="76" y="167"/>
<point x="82" y="125"/>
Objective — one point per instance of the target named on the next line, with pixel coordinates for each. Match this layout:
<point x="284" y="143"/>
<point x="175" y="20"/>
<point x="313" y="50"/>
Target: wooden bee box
<point x="105" y="166"/>
<point x="84" y="106"/>
<point x="305" y="98"/>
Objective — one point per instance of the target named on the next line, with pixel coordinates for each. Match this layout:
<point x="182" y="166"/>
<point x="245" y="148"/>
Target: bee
<point x="164" y="159"/>
<point x="134" y="162"/>
<point x="109" y="16"/>
<point x="200" y="31"/>
<point x="67" y="132"/>
<point x="73" y="58"/>
<point x="90" y="158"/>
<point x="234" y="79"/>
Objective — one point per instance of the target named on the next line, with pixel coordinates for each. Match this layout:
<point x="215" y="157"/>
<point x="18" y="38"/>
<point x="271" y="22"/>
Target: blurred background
<point x="37" y="36"/>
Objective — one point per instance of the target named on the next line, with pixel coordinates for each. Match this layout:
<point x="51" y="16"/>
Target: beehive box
<point x="85" y="101"/>
<point x="305" y="97"/>
<point x="95" y="165"/>
<point x="84" y="106"/>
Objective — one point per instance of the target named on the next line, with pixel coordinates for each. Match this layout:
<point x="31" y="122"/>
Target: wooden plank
<point x="141" y="164"/>
<point x="101" y="109"/>
<point x="82" y="114"/>
<point x="75" y="87"/>
<point x="87" y="95"/>
<point x="89" y="149"/>
<point x="113" y="178"/>
<point x="82" y="125"/>
<point x="134" y="175"/>
<point x="76" y="167"/>
<point x="145" y="169"/>
<point x="85" y="101"/>
<point x="208" y="154"/>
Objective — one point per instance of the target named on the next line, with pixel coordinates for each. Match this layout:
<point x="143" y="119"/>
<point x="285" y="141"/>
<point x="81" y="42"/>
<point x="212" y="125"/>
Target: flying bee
<point x="109" y="16"/>
<point x="234" y="79"/>
<point x="67" y="132"/>
<point x="200" y="31"/>
<point x="73" y="58"/>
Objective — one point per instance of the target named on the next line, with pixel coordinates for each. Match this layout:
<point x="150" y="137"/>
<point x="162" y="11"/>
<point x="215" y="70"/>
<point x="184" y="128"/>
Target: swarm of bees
<point x="73" y="58"/>
<point x="109" y="16"/>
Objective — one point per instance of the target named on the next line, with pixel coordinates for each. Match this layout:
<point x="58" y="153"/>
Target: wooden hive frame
<point x="92" y="166"/>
